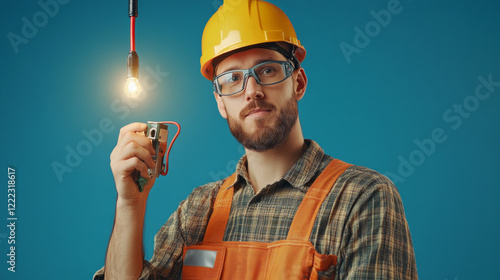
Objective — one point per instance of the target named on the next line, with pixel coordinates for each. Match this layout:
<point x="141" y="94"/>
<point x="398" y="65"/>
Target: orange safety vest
<point x="290" y="259"/>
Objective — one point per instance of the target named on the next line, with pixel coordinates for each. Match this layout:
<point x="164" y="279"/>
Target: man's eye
<point x="267" y="71"/>
<point x="231" y="79"/>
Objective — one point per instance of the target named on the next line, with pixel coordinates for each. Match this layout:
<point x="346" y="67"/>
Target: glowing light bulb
<point x="132" y="87"/>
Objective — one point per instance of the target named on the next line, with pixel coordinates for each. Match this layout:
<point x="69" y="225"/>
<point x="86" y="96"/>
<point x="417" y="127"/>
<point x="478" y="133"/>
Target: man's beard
<point x="267" y="135"/>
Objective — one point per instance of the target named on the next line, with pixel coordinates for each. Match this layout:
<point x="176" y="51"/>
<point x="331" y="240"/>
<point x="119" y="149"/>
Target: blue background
<point x="69" y="76"/>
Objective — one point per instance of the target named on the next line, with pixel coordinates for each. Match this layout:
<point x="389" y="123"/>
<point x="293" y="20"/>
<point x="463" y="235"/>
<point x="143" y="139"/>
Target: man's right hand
<point x="132" y="153"/>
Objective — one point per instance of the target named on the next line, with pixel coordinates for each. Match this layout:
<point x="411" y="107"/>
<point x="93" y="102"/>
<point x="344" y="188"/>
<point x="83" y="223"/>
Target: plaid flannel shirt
<point x="362" y="221"/>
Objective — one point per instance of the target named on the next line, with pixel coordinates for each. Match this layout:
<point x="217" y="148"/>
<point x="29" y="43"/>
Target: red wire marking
<point x="171" y="144"/>
<point x="132" y="34"/>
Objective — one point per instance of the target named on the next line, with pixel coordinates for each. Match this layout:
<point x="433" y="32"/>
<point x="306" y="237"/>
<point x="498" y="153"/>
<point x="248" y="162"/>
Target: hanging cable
<point x="132" y="34"/>
<point x="164" y="172"/>
<point x="133" y="12"/>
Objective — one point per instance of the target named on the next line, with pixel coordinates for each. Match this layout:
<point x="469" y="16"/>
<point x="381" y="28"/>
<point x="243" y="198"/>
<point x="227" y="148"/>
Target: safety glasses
<point x="266" y="73"/>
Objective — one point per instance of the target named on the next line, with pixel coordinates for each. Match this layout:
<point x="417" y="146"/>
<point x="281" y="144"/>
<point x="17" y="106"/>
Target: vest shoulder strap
<point x="305" y="216"/>
<point x="218" y="221"/>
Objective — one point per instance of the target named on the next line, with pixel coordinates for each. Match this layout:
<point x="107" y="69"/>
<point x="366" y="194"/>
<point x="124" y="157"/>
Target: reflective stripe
<point x="204" y="258"/>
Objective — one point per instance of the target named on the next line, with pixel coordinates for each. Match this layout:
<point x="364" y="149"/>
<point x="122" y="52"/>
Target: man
<point x="289" y="211"/>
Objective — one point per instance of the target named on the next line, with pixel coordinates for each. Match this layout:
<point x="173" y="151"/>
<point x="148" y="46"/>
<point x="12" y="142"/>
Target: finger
<point x="143" y="170"/>
<point x="133" y="149"/>
<point x="132" y="164"/>
<point x="133" y="127"/>
<point x="139" y="139"/>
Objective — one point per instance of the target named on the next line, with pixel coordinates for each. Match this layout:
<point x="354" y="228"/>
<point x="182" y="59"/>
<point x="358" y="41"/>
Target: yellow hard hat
<point x="241" y="23"/>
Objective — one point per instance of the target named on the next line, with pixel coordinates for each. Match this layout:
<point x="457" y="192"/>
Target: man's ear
<point x="300" y="83"/>
<point x="220" y="105"/>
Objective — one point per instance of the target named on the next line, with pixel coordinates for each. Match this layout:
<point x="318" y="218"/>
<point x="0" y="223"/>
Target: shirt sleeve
<point x="376" y="241"/>
<point x="186" y="226"/>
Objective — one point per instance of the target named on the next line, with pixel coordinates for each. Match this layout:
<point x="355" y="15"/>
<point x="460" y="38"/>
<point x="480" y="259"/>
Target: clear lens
<point x="231" y="82"/>
<point x="267" y="73"/>
<point x="270" y="73"/>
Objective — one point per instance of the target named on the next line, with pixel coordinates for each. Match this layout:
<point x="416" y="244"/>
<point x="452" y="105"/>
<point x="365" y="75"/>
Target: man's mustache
<point x="254" y="105"/>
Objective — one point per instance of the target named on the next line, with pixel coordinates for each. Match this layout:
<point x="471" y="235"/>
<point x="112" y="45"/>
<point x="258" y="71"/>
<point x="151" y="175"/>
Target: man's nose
<point x="252" y="89"/>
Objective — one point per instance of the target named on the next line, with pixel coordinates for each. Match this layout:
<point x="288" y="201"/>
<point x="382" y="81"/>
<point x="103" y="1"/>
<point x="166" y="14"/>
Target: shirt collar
<point x="299" y="174"/>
